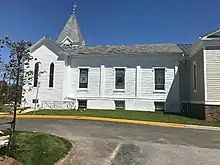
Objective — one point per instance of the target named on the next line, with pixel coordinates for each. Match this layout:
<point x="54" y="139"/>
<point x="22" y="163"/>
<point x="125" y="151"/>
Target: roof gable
<point x="48" y="43"/>
<point x="212" y="35"/>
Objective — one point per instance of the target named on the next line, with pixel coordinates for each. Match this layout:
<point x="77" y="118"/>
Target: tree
<point x="14" y="70"/>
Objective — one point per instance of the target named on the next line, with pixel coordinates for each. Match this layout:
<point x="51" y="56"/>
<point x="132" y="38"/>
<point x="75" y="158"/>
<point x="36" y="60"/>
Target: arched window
<point x="51" y="76"/>
<point x="36" y="72"/>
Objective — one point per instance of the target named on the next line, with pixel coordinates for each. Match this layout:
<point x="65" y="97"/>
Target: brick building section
<point x="212" y="112"/>
<point x="203" y="112"/>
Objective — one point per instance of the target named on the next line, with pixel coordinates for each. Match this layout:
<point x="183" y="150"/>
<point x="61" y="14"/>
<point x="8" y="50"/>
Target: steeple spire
<point x="74" y="7"/>
<point x="71" y="34"/>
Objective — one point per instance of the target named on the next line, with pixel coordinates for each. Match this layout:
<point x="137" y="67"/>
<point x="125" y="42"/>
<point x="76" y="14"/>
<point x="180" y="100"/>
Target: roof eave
<point x="121" y="54"/>
<point x="48" y="43"/>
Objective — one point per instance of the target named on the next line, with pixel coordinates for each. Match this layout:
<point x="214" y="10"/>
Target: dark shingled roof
<point x="124" y="49"/>
<point x="71" y="30"/>
<point x="185" y="47"/>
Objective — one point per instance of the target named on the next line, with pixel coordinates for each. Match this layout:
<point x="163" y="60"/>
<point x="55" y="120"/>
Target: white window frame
<point x="119" y="90"/>
<point x="195" y="86"/>
<point x="155" y="90"/>
<point x="78" y="70"/>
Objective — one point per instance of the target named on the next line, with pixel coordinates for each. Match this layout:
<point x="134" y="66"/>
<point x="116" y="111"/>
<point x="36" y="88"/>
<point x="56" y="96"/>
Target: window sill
<point x="159" y="91"/>
<point x="119" y="90"/>
<point x="82" y="90"/>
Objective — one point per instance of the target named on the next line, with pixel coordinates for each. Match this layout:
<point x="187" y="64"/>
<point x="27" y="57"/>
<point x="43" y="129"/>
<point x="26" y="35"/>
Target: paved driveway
<point x="106" y="143"/>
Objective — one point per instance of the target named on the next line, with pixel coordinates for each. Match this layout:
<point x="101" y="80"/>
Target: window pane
<point x="159" y="106"/>
<point x="119" y="104"/>
<point x="83" y="78"/>
<point x="51" y="76"/>
<point x="159" y="87"/>
<point x="36" y="72"/>
<point x="82" y="104"/>
<point x="120" y="78"/>
<point x="194" y="77"/>
<point x="159" y="79"/>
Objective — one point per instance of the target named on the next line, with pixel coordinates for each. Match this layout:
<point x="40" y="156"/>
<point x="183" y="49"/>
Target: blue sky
<point x="113" y="21"/>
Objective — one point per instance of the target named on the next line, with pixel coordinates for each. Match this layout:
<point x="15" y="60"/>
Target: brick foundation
<point x="201" y="111"/>
<point x="212" y="112"/>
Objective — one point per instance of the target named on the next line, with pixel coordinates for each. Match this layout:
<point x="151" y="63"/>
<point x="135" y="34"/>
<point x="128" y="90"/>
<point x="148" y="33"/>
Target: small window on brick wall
<point x="82" y="104"/>
<point x="159" y="106"/>
<point x="119" y="104"/>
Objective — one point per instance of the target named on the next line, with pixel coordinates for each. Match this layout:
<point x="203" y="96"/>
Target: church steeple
<point x="71" y="34"/>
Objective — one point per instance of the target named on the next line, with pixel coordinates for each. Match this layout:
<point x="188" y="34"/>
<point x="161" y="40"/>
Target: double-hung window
<point x="119" y="78"/>
<point x="83" y="77"/>
<point x="159" y="78"/>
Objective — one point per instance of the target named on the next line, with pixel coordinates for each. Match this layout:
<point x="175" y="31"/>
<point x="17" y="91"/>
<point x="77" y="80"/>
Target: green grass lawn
<point x="38" y="148"/>
<point x="9" y="109"/>
<point x="131" y="115"/>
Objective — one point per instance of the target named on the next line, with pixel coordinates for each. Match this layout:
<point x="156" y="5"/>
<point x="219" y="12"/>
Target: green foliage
<point x="38" y="148"/>
<point x="13" y="73"/>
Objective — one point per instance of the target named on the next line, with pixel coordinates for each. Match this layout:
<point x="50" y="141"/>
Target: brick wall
<point x="201" y="111"/>
<point x="212" y="113"/>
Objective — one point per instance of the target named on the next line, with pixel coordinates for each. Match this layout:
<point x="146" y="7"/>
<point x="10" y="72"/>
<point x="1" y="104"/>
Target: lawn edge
<point x="152" y="123"/>
<point x="64" y="159"/>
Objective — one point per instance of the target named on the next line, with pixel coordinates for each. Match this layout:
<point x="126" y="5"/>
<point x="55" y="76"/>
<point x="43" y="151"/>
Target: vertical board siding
<point x="213" y="75"/>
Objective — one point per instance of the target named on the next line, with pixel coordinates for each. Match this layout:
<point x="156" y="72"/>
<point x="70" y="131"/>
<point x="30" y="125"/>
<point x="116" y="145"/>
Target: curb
<point x="65" y="159"/>
<point x="97" y="119"/>
<point x="152" y="123"/>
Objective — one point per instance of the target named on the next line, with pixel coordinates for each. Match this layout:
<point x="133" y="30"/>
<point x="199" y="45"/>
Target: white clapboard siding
<point x="130" y="74"/>
<point x="147" y="95"/>
<point x="66" y="82"/>
<point x="103" y="103"/>
<point x="148" y="86"/>
<point x="213" y="75"/>
<point x="93" y="83"/>
<point x="46" y="93"/>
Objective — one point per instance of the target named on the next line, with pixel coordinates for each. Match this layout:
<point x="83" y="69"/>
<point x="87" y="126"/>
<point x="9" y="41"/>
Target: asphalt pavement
<point x="107" y="143"/>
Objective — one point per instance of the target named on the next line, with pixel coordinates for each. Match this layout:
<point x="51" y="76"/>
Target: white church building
<point x="148" y="77"/>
